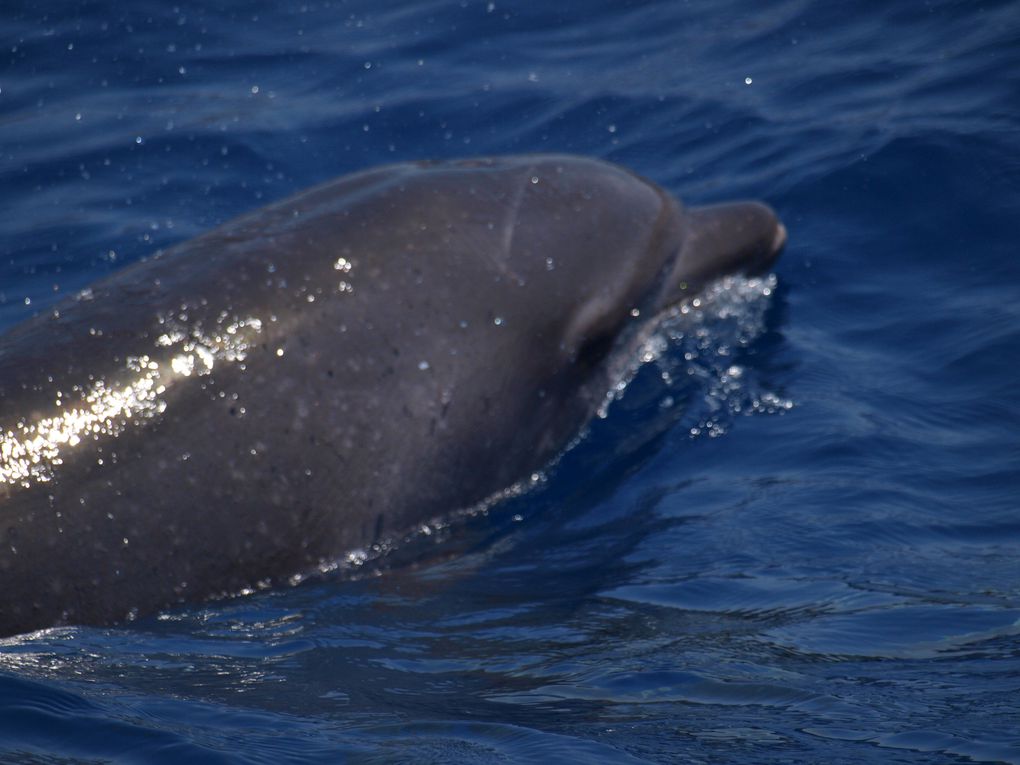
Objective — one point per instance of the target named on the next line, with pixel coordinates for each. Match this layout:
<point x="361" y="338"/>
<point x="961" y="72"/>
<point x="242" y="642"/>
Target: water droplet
<point x="423" y="365"/>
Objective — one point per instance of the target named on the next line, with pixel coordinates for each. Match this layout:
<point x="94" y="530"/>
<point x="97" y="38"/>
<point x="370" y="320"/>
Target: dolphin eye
<point x="594" y="349"/>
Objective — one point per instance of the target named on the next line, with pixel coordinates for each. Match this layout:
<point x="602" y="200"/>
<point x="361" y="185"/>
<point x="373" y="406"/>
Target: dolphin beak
<point x="719" y="240"/>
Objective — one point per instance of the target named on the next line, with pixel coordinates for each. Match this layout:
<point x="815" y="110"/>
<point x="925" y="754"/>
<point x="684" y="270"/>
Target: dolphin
<point x="330" y="371"/>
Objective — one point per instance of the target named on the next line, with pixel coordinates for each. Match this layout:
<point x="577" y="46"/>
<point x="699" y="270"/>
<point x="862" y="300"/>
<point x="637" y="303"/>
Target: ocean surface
<point x="794" y="537"/>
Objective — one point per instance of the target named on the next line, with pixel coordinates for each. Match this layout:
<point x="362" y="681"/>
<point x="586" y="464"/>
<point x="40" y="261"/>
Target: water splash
<point x="697" y="344"/>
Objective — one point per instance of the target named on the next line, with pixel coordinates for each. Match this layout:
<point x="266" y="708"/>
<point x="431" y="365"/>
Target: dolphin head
<point x="720" y="240"/>
<point x="638" y="251"/>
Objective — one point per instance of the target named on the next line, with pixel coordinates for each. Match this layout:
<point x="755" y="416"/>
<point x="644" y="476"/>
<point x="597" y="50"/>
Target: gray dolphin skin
<point x="328" y="372"/>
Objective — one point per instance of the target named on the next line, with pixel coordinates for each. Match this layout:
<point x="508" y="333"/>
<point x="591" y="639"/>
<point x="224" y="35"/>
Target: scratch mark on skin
<point x="510" y="224"/>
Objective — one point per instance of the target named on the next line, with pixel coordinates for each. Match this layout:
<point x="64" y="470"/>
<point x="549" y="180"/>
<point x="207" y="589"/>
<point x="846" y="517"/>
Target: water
<point x="798" y="545"/>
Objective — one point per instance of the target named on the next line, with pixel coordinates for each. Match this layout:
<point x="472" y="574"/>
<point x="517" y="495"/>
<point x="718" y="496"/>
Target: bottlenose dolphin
<point x="330" y="370"/>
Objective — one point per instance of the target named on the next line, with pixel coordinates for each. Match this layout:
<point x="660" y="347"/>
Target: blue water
<point x="801" y="544"/>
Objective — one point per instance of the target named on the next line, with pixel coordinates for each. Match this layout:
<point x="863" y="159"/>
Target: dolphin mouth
<point x="779" y="241"/>
<point x="720" y="240"/>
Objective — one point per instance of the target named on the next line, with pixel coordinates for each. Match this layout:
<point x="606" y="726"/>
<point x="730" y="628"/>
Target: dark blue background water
<point x="804" y="550"/>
